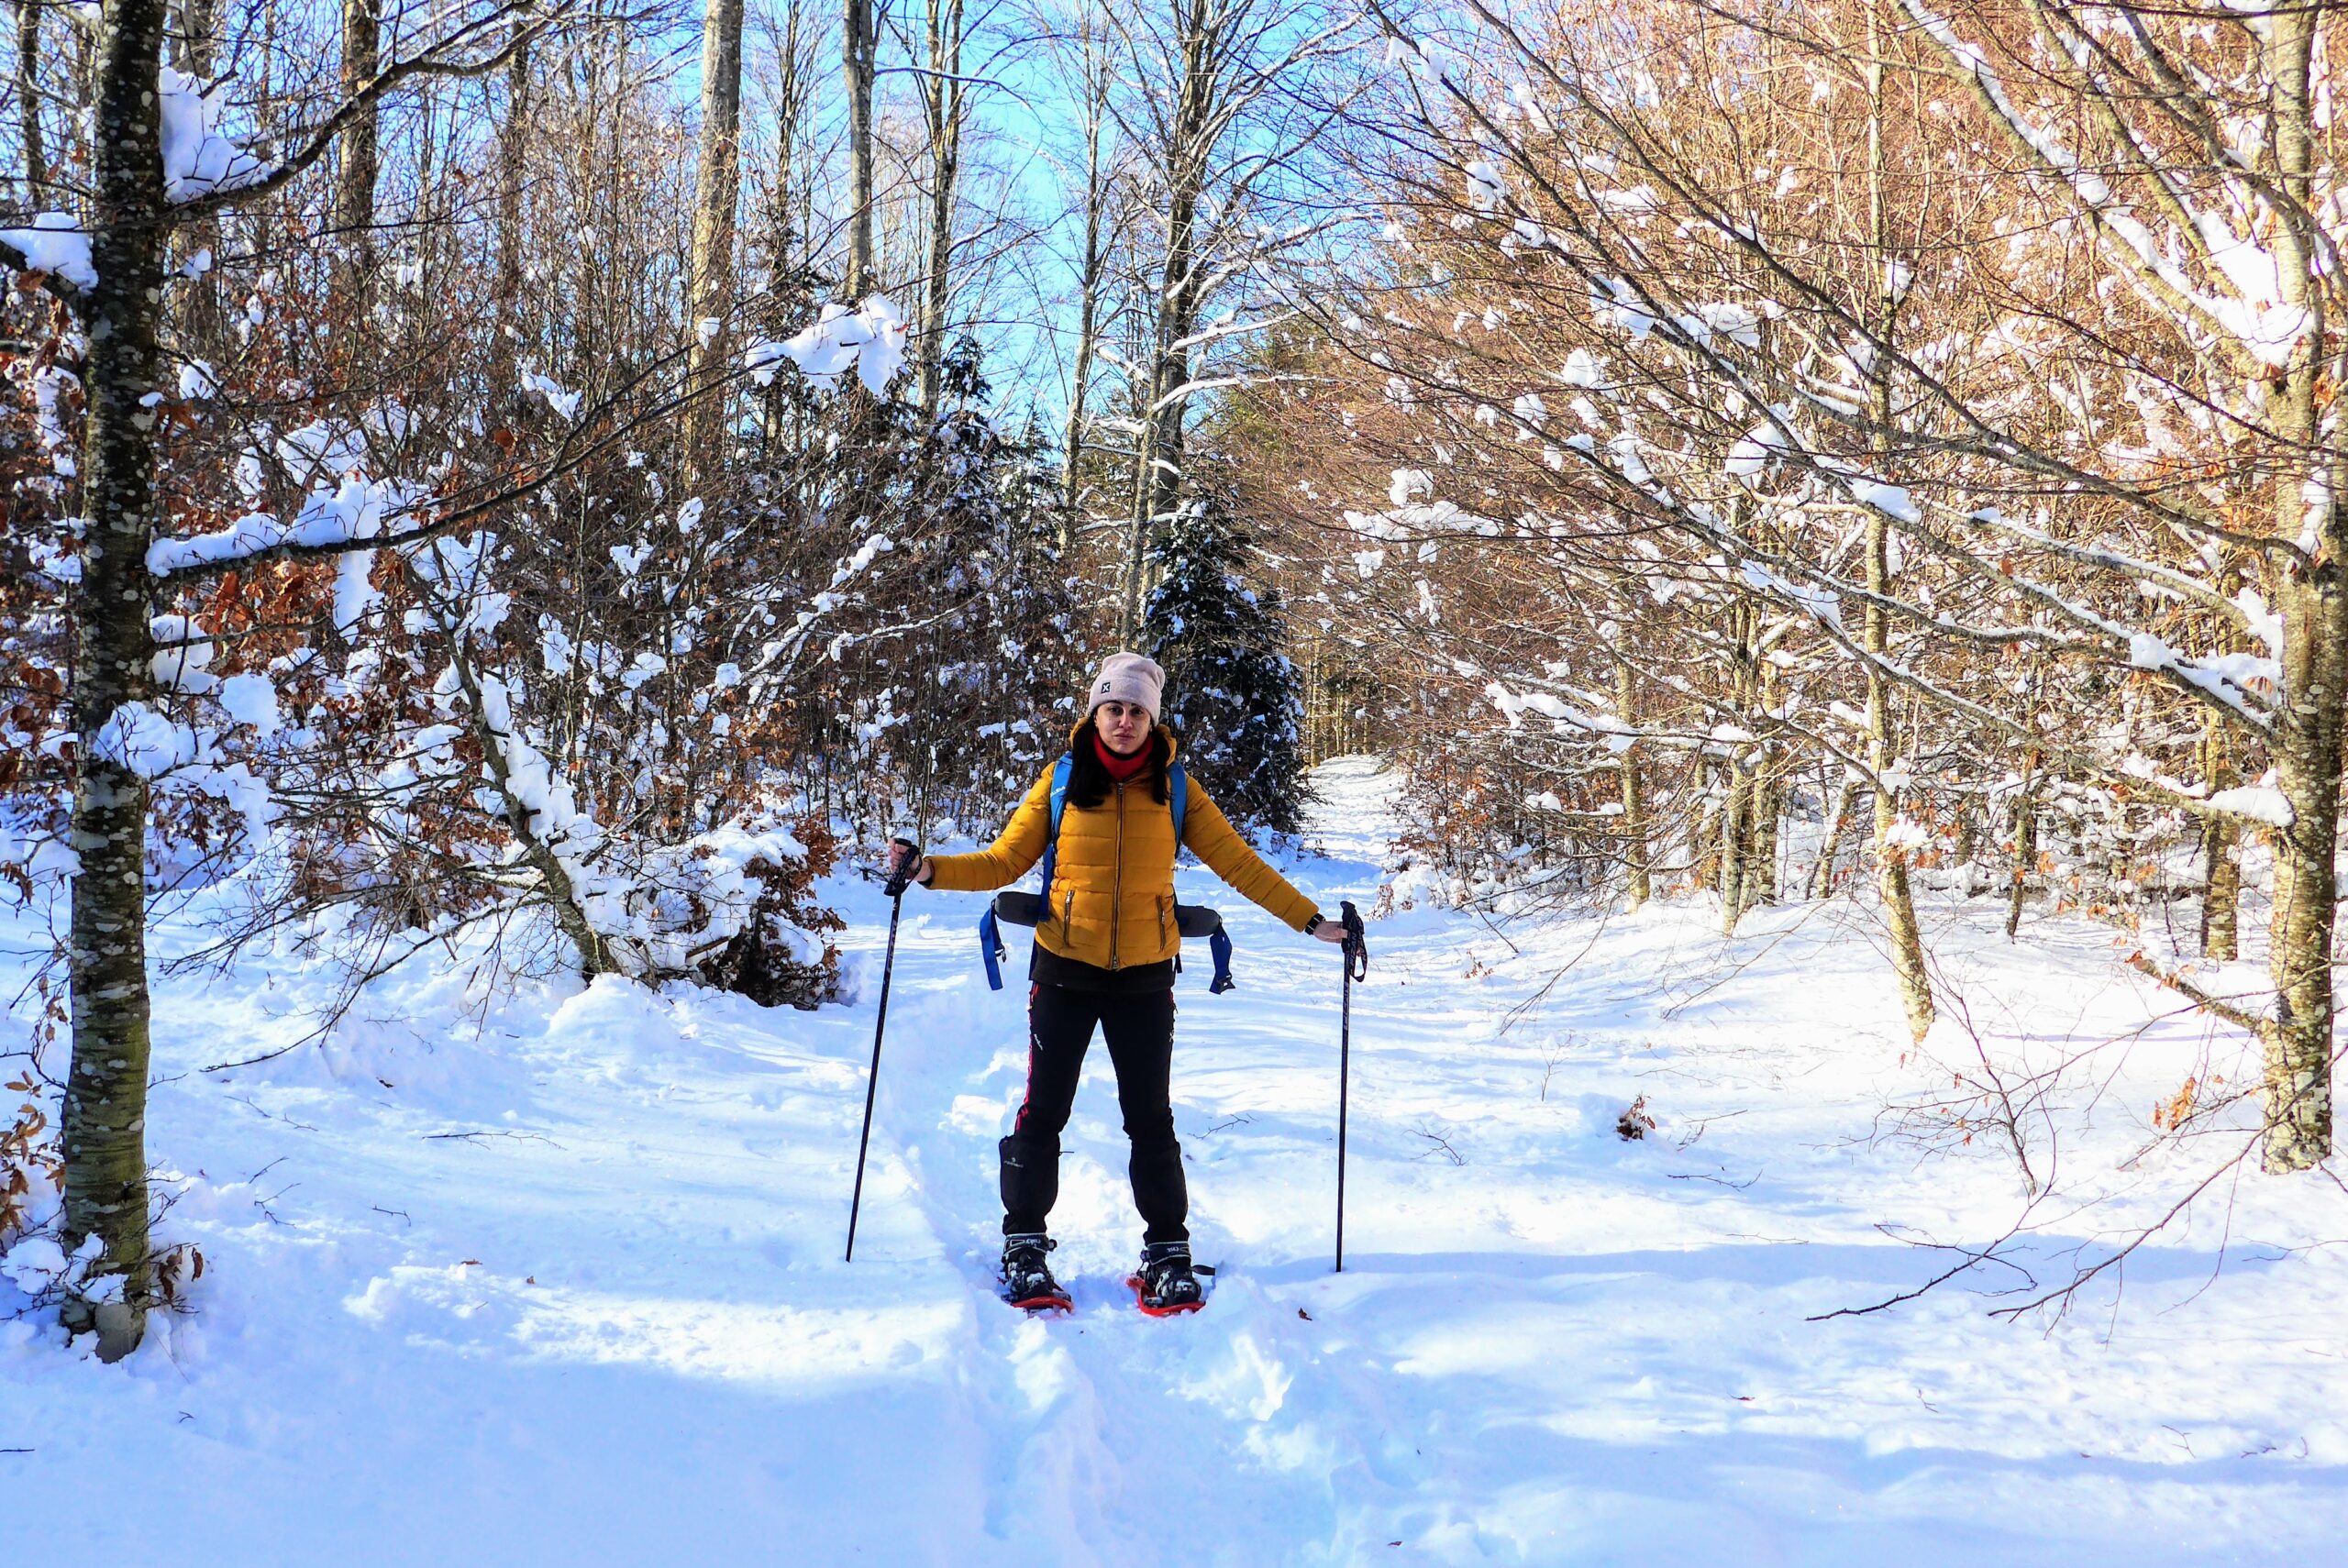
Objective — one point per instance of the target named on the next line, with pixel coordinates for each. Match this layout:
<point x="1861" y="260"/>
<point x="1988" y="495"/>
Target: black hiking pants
<point x="1139" y="1028"/>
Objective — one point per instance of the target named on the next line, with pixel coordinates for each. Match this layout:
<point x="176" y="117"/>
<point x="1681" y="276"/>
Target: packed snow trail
<point x="559" y="1279"/>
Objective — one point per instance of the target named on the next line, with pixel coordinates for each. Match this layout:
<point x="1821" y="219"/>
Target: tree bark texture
<point x="511" y="170"/>
<point x="2026" y="844"/>
<point x="354" y="197"/>
<point x="859" y="48"/>
<point x="943" y="110"/>
<point x="104" y="1122"/>
<point x="1891" y="859"/>
<point x="28" y="128"/>
<point x="716" y="191"/>
<point x="2221" y="858"/>
<point x="1158" y="471"/>
<point x="1091" y="268"/>
<point x="1838" y="823"/>
<point x="1638" y="883"/>
<point x="2313" y="602"/>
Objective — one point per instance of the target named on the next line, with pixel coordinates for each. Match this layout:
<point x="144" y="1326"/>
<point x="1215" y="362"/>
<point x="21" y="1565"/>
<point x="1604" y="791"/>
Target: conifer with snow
<point x="1232" y="695"/>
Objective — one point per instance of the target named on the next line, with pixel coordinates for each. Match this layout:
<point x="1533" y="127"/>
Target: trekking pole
<point x="895" y="887"/>
<point x="1356" y="954"/>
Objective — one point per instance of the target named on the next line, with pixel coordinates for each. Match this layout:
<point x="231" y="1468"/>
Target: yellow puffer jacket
<point x="1111" y="898"/>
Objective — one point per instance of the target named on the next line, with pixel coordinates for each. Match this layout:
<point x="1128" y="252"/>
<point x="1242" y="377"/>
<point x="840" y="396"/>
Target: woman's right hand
<point x="906" y="861"/>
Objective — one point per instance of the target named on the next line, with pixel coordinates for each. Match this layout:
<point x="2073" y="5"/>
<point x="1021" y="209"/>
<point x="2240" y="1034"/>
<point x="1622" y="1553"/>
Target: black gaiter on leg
<point x="1060" y="1027"/>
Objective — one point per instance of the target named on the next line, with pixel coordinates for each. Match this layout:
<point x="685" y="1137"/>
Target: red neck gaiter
<point x="1123" y="769"/>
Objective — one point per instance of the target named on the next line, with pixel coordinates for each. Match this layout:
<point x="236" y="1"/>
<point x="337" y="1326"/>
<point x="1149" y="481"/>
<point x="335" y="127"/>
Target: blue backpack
<point x="1027" y="908"/>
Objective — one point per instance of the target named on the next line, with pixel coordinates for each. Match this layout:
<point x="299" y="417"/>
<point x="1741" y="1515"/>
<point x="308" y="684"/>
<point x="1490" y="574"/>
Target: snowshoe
<point x="1027" y="1281"/>
<point x="1166" y="1284"/>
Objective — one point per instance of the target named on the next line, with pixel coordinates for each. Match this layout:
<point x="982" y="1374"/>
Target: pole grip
<point x="901" y="876"/>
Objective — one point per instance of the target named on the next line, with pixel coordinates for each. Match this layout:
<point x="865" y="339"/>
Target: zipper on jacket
<point x="1117" y="883"/>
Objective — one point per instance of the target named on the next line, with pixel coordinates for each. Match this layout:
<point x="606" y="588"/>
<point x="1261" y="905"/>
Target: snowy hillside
<point x="558" y="1278"/>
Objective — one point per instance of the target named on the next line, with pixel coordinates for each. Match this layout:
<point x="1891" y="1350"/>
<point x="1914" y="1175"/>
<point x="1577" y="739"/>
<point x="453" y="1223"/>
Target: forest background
<point x="543" y="480"/>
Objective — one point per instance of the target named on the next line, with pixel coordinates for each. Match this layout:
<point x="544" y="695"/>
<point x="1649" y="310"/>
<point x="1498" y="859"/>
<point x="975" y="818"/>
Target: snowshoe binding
<point x="1166" y="1286"/>
<point x="1027" y="1281"/>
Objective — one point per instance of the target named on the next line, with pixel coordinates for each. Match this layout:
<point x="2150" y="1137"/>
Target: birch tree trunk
<point x="105" y="1121"/>
<point x="716" y="191"/>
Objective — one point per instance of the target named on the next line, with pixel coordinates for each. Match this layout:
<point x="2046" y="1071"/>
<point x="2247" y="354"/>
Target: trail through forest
<point x="557" y="1278"/>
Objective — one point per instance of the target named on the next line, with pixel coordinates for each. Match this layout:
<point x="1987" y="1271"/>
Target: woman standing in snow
<point x="1104" y="955"/>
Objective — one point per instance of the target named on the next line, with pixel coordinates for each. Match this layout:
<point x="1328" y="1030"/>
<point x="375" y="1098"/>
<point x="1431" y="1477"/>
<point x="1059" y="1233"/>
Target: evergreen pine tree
<point x="1233" y="699"/>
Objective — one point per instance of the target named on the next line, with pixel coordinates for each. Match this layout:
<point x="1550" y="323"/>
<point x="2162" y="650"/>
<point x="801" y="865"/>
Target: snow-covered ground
<point x="558" y="1278"/>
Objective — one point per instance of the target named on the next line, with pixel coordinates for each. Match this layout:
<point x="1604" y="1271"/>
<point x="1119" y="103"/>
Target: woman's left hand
<point x="1331" y="930"/>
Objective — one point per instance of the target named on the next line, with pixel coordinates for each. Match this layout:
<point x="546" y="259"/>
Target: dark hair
<point x="1088" y="783"/>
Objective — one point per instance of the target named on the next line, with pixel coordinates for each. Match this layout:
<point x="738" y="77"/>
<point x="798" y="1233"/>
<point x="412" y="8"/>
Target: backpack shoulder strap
<point x="1178" y="797"/>
<point x="990" y="948"/>
<point x="1061" y="772"/>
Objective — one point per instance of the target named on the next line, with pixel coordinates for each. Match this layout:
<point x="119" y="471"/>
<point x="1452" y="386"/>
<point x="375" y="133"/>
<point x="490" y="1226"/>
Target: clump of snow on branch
<point x="141" y="738"/>
<point x="56" y="243"/>
<point x="869" y="340"/>
<point x="560" y="398"/>
<point x="197" y="160"/>
<point x="355" y="510"/>
<point x="182" y="656"/>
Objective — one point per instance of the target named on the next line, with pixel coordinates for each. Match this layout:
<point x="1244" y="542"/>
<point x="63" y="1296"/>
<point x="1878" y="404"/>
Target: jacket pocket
<point x="1166" y="920"/>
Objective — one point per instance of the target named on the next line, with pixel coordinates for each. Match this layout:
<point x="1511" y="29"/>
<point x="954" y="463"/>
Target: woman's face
<point x="1123" y="725"/>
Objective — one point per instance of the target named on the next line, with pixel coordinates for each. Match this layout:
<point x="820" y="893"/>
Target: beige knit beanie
<point x="1127" y="677"/>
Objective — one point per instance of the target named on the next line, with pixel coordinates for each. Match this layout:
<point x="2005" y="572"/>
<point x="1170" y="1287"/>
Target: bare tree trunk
<point x="1838" y="823"/>
<point x="204" y="315"/>
<point x="1191" y="135"/>
<point x="2221" y="848"/>
<point x="562" y="895"/>
<point x="2313" y="602"/>
<point x="105" y="1097"/>
<point x="1638" y="883"/>
<point x="512" y="141"/>
<point x="716" y="192"/>
<point x="354" y="199"/>
<point x="1091" y="270"/>
<point x="943" y="110"/>
<point x="1768" y="804"/>
<point x="28" y="130"/>
<point x="2025" y="843"/>
<point x="859" y="46"/>
<point x="1735" y="815"/>
<point x="1707" y="868"/>
<point x="1891" y="859"/>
